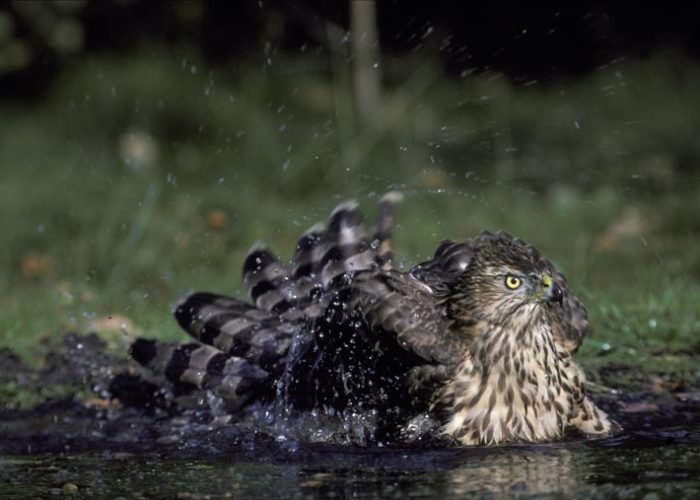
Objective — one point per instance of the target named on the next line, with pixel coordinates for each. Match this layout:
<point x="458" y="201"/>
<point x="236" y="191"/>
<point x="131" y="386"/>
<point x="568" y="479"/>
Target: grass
<point x="133" y="180"/>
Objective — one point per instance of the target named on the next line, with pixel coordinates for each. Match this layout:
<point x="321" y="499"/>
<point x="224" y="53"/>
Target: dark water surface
<point x="65" y="447"/>
<point x="638" y="465"/>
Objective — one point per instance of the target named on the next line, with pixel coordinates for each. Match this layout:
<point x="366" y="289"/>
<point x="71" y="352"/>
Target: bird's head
<point x="507" y="283"/>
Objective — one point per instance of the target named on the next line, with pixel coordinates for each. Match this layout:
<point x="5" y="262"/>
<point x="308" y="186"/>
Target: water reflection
<point x="574" y="469"/>
<point x="538" y="471"/>
<point x="529" y="471"/>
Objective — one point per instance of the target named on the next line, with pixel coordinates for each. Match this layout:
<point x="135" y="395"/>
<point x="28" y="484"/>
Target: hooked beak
<point x="550" y="291"/>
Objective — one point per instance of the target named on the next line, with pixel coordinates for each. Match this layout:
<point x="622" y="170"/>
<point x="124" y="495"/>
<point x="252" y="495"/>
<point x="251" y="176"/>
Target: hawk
<point x="480" y="337"/>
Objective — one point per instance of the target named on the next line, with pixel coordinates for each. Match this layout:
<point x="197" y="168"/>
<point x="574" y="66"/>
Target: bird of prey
<point x="480" y="337"/>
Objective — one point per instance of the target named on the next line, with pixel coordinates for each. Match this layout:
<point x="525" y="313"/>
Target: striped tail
<point x="268" y="281"/>
<point x="327" y="254"/>
<point x="235" y="328"/>
<point x="385" y="225"/>
<point x="241" y="346"/>
<point x="198" y="366"/>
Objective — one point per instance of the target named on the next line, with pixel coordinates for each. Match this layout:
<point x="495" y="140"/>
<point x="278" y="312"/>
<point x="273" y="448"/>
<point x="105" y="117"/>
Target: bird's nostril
<point x="547" y="282"/>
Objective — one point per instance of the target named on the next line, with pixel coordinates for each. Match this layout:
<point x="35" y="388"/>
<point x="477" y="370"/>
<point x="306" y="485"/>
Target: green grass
<point x="90" y="233"/>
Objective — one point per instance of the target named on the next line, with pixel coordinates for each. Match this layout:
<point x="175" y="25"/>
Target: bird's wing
<point x="450" y="260"/>
<point x="572" y="324"/>
<point x="399" y="305"/>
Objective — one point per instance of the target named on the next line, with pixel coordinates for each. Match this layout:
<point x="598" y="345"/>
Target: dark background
<point x="524" y="40"/>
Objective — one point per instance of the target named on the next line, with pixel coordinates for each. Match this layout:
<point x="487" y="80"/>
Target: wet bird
<point x="480" y="337"/>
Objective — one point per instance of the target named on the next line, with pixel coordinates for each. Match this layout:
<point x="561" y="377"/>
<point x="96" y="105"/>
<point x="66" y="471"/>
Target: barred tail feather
<point x="267" y="281"/>
<point x="239" y="344"/>
<point x="215" y="319"/>
<point x="347" y="249"/>
<point x="385" y="223"/>
<point x="197" y="366"/>
<point x="235" y="328"/>
<point x="325" y="253"/>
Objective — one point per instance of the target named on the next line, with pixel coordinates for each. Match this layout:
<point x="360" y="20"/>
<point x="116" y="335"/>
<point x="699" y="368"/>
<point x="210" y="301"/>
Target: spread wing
<point x="399" y="305"/>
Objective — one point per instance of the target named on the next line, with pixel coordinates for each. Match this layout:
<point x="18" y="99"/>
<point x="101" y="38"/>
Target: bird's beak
<point x="552" y="291"/>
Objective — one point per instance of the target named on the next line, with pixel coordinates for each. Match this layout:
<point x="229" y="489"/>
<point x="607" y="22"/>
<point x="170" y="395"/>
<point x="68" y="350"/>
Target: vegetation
<point x="135" y="179"/>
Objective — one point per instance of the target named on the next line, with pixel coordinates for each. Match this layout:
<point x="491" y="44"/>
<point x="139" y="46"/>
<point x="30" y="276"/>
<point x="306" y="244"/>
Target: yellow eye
<point x="513" y="282"/>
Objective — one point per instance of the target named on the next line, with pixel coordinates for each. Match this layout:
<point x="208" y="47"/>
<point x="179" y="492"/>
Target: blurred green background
<point x="135" y="169"/>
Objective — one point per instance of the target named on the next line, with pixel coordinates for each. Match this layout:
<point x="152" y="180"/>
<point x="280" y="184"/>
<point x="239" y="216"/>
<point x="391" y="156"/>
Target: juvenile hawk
<point x="480" y="337"/>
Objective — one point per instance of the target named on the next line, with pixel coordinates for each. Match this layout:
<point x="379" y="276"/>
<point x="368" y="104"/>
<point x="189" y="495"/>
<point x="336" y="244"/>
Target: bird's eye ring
<point x="513" y="282"/>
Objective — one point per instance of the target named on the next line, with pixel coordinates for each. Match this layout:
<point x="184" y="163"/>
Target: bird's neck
<point x="501" y="348"/>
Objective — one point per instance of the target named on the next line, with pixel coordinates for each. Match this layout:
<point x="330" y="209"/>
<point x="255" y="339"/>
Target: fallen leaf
<point x="35" y="266"/>
<point x="112" y="324"/>
<point x="217" y="219"/>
